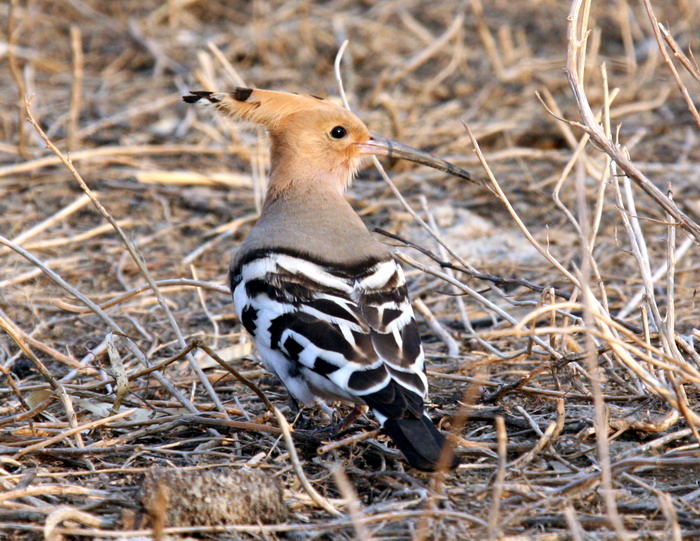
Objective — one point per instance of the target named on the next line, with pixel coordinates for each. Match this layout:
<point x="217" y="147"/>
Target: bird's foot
<point x="334" y="429"/>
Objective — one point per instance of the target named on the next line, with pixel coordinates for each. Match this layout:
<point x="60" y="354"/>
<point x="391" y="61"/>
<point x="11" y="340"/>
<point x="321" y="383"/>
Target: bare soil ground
<point x="559" y="316"/>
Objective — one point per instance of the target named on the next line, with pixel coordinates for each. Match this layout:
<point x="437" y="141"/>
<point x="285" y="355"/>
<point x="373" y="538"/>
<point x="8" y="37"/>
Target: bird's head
<point x="312" y="139"/>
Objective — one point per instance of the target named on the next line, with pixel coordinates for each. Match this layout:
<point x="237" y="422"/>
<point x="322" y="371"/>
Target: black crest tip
<point x="196" y="95"/>
<point x="242" y="93"/>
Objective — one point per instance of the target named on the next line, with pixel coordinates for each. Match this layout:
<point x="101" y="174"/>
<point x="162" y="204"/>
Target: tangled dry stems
<point x="563" y="341"/>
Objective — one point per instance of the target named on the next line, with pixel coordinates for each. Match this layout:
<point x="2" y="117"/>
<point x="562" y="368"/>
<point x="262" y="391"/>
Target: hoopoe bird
<point x="325" y="302"/>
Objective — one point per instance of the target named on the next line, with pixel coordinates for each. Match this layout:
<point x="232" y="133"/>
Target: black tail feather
<point x="419" y="441"/>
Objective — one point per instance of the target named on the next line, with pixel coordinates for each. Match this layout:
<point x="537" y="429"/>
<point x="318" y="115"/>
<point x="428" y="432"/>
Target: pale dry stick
<point x="429" y="51"/>
<point x="671" y="286"/>
<point x="149" y="107"/>
<point x="679" y="54"/>
<point x="353" y="505"/>
<point x="523" y="228"/>
<point x="623" y="19"/>
<point x="338" y="77"/>
<point x="118" y="372"/>
<point x="550" y="105"/>
<point x="324" y="449"/>
<point x="229" y="70"/>
<point x="660" y="271"/>
<point x="575" y="64"/>
<point x="667" y="59"/>
<point x="575" y="529"/>
<point x="17" y="76"/>
<point x="113" y="152"/>
<point x="437" y="327"/>
<point x="75" y="430"/>
<point x="669" y="511"/>
<point x="63" y="395"/>
<point x="578" y="146"/>
<point x="190" y="178"/>
<point x="626" y="109"/>
<point x="79" y="237"/>
<point x="46" y="490"/>
<point x="494" y="529"/>
<point x="303" y="528"/>
<point x="652" y="383"/>
<point x="222" y="232"/>
<point x="53" y="353"/>
<point x="54" y="277"/>
<point x="91" y="355"/>
<point x="415" y="26"/>
<point x="52" y="220"/>
<point x="550" y="434"/>
<point x="205" y="309"/>
<point x="178" y="284"/>
<point x="55" y="518"/>
<point x="29" y="410"/>
<point x="533" y="425"/>
<point x="591" y="306"/>
<point x="135" y="256"/>
<point x="626" y="358"/>
<point x="319" y="500"/>
<point x="487" y="40"/>
<point x="671" y="364"/>
<point x="577" y="154"/>
<point x="627" y="210"/>
<point x="584" y="42"/>
<point x="474" y="294"/>
<point x="457" y="61"/>
<point x="164" y="11"/>
<point x="459" y="300"/>
<point x="70" y="262"/>
<point x="602" y="182"/>
<point x="545" y="439"/>
<point x="76" y="96"/>
<point x="671" y="320"/>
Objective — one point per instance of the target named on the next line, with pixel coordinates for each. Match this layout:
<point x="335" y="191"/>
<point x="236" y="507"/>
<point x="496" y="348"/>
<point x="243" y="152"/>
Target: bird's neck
<point x="311" y="215"/>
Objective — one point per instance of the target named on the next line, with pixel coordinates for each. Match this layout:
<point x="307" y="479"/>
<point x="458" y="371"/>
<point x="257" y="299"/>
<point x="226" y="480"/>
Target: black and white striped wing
<point x="334" y="333"/>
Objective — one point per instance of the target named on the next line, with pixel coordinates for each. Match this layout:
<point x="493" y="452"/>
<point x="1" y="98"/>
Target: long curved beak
<point x="380" y="146"/>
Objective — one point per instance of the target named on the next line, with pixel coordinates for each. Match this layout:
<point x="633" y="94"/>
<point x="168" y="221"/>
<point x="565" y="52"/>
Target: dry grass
<point x="557" y="301"/>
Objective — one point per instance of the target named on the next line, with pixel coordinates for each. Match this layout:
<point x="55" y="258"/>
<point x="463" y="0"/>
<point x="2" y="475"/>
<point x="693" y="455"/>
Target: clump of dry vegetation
<point x="558" y="299"/>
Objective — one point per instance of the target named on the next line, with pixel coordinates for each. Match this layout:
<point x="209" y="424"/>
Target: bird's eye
<point x="338" y="132"/>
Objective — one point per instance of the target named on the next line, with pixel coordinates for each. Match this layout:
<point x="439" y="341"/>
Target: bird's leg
<point x="294" y="404"/>
<point x="299" y="419"/>
<point x="336" y="428"/>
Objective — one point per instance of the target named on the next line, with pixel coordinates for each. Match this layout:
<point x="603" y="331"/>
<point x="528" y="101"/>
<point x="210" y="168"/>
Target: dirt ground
<point x="558" y="310"/>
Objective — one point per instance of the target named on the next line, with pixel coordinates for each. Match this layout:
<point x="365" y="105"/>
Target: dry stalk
<point x="60" y="389"/>
<point x="135" y="256"/>
<point x="76" y="97"/>
<point x="494" y="526"/>
<point x="17" y="76"/>
<point x="577" y="38"/>
<point x="667" y="59"/>
<point x="99" y="312"/>
<point x="353" y="504"/>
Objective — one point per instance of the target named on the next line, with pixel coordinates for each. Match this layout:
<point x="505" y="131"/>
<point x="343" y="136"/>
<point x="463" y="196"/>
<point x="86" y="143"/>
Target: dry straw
<point x="557" y="300"/>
